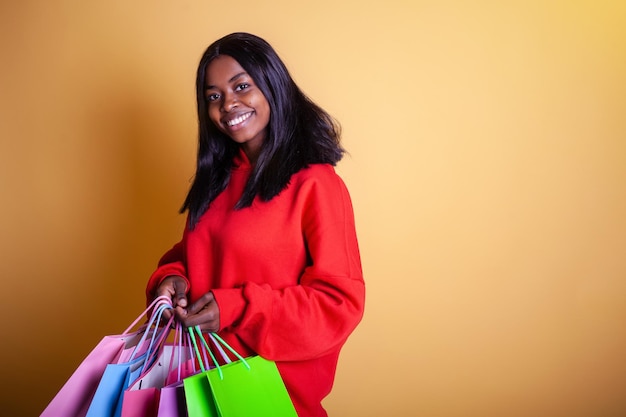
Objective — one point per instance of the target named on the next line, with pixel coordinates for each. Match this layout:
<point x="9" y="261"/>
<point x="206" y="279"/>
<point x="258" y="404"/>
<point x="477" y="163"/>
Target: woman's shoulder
<point x="321" y="176"/>
<point x="317" y="172"/>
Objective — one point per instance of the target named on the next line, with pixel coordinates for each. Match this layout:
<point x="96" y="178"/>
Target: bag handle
<point x="154" y="348"/>
<point x="219" y="348"/>
<point x="206" y="348"/>
<point x="197" y="351"/>
<point x="178" y="343"/>
<point x="215" y="336"/>
<point x="155" y="320"/>
<point x="159" y="300"/>
<point x="191" y="352"/>
<point x="181" y="342"/>
<point x="217" y="340"/>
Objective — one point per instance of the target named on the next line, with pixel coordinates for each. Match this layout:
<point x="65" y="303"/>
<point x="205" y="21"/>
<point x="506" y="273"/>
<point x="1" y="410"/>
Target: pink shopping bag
<point x="74" y="398"/>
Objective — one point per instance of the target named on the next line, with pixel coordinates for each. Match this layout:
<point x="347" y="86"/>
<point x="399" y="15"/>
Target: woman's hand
<point x="174" y="287"/>
<point x="204" y="313"/>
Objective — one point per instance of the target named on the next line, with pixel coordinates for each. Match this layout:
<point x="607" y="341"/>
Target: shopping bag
<point x="255" y="389"/>
<point x="107" y="400"/>
<point x="172" y="401"/>
<point x="246" y="387"/>
<point x="198" y="396"/>
<point x="249" y="387"/>
<point x="74" y="398"/>
<point x="142" y="398"/>
<point x="116" y="377"/>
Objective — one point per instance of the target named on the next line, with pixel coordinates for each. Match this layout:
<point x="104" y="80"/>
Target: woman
<point x="269" y="256"/>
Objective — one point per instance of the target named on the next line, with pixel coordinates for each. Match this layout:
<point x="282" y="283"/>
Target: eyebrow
<point x="209" y="87"/>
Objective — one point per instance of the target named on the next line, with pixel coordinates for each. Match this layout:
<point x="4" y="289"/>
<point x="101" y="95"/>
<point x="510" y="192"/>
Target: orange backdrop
<point x="487" y="167"/>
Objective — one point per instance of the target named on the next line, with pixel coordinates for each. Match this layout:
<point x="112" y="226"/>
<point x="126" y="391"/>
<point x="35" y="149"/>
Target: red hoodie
<point x="286" y="275"/>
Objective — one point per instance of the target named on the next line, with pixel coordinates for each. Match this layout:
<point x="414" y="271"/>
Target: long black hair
<point x="299" y="132"/>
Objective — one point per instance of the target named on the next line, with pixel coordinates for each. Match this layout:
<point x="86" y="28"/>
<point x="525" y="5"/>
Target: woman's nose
<point x="229" y="103"/>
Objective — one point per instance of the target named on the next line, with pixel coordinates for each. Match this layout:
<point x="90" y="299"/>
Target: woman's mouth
<point x="238" y="120"/>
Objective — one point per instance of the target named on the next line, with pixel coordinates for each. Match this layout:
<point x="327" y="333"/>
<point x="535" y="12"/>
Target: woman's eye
<point x="212" y="97"/>
<point x="242" y="86"/>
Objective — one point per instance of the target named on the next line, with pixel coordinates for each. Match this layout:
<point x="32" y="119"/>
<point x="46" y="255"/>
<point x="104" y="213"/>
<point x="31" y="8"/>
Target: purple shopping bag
<point x="172" y="401"/>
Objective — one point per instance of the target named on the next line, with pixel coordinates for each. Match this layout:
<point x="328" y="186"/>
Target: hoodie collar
<point x="241" y="161"/>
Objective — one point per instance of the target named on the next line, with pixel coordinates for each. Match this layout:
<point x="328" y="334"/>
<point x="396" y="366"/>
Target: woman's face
<point x="236" y="106"/>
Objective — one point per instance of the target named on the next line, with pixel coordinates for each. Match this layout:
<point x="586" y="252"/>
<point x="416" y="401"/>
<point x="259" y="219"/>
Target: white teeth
<point x="238" y="120"/>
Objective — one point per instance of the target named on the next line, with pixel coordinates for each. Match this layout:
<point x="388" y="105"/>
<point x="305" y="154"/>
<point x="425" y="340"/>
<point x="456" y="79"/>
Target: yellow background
<point x="487" y="166"/>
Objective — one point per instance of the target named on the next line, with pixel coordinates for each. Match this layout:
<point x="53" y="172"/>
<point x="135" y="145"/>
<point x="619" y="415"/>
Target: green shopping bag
<point x="253" y="390"/>
<point x="247" y="387"/>
<point x="198" y="396"/>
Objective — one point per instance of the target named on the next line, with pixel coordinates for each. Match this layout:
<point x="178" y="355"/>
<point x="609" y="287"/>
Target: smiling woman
<point x="269" y="257"/>
<point x="236" y="106"/>
<point x="298" y="132"/>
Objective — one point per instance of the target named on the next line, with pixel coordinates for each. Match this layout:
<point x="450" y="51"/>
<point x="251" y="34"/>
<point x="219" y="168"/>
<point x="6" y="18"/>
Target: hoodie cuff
<point x="157" y="279"/>
<point x="231" y="303"/>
